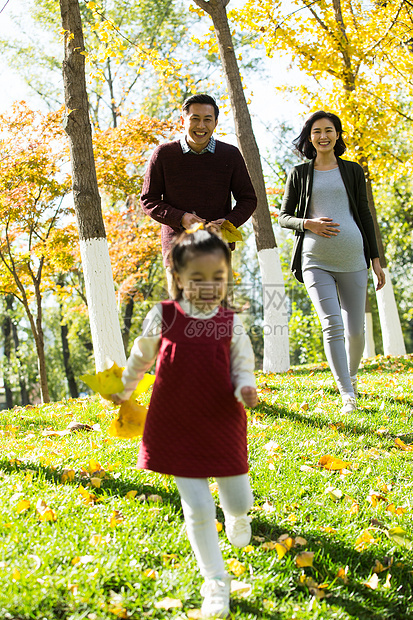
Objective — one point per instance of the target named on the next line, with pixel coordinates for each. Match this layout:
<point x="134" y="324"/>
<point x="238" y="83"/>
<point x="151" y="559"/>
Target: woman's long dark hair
<point x="190" y="244"/>
<point x="303" y="144"/>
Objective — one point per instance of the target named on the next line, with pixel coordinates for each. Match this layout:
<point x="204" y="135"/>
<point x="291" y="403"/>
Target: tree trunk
<point x="104" y="322"/>
<point x="369" y="346"/>
<point x="70" y="377"/>
<point x="127" y="321"/>
<point x="276" y="342"/>
<point x="7" y="338"/>
<point x="24" y="396"/>
<point x="393" y="342"/>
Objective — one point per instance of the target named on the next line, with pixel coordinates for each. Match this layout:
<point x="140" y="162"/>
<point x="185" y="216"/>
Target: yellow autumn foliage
<point x="129" y="422"/>
<point x="230" y="233"/>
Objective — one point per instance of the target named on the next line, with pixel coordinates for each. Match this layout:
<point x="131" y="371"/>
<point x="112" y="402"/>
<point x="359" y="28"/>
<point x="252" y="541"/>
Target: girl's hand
<point x="115" y="399"/>
<point x="381" y="276"/>
<point x="249" y="396"/>
<point x="322" y="226"/>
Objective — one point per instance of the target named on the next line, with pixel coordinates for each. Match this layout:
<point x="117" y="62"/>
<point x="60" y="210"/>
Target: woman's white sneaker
<point x="216" y="597"/>
<point x="349" y="404"/>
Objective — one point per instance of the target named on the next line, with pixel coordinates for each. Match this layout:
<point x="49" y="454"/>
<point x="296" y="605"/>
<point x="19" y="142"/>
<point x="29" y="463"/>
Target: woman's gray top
<point x="343" y="252"/>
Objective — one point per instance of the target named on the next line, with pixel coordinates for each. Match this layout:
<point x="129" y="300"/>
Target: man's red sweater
<point x="176" y="183"/>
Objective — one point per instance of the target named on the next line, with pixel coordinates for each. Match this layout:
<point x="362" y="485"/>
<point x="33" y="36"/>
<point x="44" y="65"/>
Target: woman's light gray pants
<point x="339" y="299"/>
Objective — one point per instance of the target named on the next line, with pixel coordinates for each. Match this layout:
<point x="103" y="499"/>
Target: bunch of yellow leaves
<point x="131" y="417"/>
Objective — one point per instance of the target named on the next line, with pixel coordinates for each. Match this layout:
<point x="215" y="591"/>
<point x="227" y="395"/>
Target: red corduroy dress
<point x="195" y="426"/>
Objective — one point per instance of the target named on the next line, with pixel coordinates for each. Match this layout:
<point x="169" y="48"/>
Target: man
<point x="191" y="180"/>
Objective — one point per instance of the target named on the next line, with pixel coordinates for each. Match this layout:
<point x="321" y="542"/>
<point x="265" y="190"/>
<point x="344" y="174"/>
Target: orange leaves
<point x="374" y="498"/>
<point x="403" y="446"/>
<point x="332" y="463"/>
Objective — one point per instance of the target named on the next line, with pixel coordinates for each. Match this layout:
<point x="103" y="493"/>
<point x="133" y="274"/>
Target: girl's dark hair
<point x="303" y="144"/>
<point x="190" y="244"/>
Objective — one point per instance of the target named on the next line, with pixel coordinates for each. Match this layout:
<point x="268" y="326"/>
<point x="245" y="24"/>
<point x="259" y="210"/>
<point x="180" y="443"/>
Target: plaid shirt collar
<point x="210" y="148"/>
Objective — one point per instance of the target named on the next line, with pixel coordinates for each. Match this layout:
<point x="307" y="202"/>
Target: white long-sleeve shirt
<point x="146" y="347"/>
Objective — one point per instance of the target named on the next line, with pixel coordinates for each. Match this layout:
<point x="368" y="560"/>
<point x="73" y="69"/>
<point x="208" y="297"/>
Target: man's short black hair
<point x="203" y="99"/>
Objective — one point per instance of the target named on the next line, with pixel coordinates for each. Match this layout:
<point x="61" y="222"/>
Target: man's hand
<point x="249" y="396"/>
<point x="190" y="219"/>
<point x="218" y="222"/>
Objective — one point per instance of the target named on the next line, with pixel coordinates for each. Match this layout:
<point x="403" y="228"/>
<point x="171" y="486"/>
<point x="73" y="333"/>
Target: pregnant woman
<point x="325" y="203"/>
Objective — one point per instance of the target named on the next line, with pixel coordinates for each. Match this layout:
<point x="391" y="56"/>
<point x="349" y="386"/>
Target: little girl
<point x="196" y="426"/>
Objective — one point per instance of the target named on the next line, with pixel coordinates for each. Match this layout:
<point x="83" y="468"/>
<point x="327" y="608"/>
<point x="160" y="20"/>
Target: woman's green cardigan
<point x="296" y="202"/>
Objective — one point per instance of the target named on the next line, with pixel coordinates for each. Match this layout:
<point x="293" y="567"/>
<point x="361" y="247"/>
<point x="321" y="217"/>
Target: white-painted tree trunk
<point x="393" y="342"/>
<point x="369" y="347"/>
<point x="101" y="299"/>
<point x="276" y="342"/>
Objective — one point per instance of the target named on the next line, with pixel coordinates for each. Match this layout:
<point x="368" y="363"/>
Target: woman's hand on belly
<point x="323" y="226"/>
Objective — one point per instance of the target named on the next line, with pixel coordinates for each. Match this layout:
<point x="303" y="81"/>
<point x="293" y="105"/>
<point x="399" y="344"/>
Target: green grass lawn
<point x="109" y="541"/>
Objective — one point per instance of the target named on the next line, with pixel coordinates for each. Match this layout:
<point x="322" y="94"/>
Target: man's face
<point x="199" y="124"/>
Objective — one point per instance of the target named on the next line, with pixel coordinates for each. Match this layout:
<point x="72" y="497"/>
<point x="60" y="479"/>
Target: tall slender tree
<point x="105" y="328"/>
<point x="276" y="347"/>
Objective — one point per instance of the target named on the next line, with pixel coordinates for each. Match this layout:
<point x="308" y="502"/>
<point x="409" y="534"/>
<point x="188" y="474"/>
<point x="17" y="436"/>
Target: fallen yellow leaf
<point x="373" y="582"/>
<point x="22" y="506"/>
<point x="281" y="550"/>
<point x="241" y="588"/>
<point x="332" y="463"/>
<point x="131" y="494"/>
<point x="400" y="444"/>
<point x="98" y="539"/>
<point x="68" y="475"/>
<point x="342" y="574"/>
<point x="236" y="567"/>
<point x="364" y="540"/>
<point x="150" y="573"/>
<point x="305" y="558"/>
<point x="116" y="518"/>
<point x="169" y="603"/>
<point x="400" y="536"/>
<point x="218" y="525"/>
<point x="45" y="513"/>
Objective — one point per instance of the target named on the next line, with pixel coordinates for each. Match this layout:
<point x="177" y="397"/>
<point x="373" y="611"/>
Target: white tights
<point x="199" y="511"/>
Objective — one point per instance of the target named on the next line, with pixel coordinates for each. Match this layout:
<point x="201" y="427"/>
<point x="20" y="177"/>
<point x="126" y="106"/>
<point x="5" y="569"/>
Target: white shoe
<point x="349" y="404"/>
<point x="238" y="530"/>
<point x="354" y="385"/>
<point x="216" y="597"/>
